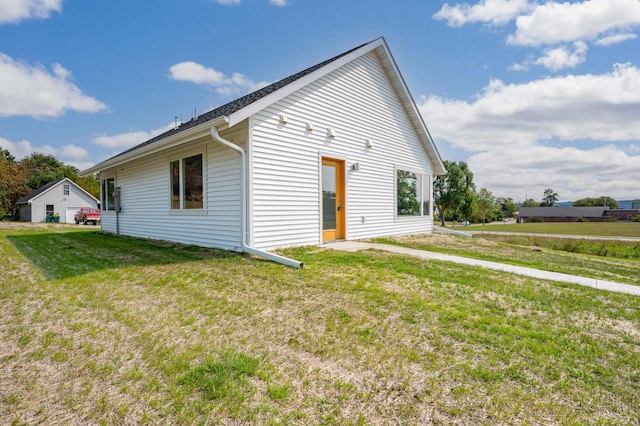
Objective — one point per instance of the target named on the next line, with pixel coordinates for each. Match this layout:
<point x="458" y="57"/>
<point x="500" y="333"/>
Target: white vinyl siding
<point x="56" y="197"/>
<point x="358" y="103"/>
<point x="146" y="199"/>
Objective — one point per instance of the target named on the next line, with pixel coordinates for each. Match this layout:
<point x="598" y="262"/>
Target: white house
<point x="337" y="151"/>
<point x="63" y="197"/>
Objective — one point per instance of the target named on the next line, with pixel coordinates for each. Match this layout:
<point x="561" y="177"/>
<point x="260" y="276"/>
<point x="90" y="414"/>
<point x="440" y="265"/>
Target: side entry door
<point x="333" y="200"/>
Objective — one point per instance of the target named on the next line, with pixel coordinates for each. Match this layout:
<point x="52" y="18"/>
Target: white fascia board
<point x="82" y="189"/>
<point x="201" y="130"/>
<point x="50" y="189"/>
<point x="62" y="182"/>
<point x="411" y="108"/>
<point x="274" y="97"/>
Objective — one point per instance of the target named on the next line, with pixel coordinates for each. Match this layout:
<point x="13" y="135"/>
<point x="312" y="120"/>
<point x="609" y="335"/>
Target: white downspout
<point x="244" y="193"/>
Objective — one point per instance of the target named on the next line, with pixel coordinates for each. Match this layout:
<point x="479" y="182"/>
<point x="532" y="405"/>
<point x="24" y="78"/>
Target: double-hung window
<point x="187" y="190"/>
<point x="413" y="193"/>
<point x="65" y="189"/>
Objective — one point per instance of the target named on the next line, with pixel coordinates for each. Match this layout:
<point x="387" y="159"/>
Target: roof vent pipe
<point x="244" y="193"/>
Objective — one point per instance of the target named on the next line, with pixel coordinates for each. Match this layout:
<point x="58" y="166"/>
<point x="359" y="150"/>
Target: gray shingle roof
<point x="238" y="104"/>
<point x="37" y="192"/>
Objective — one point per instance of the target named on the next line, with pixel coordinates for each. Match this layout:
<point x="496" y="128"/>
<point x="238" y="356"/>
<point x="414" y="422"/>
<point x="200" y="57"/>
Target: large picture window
<point x="108" y="194"/>
<point x="413" y="193"/>
<point x="187" y="191"/>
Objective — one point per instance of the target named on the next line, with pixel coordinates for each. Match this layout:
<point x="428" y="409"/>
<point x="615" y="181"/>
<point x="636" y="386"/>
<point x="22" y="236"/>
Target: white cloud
<point x="519" y="67"/>
<point x="552" y="23"/>
<point x="130" y="139"/>
<point x="512" y="124"/>
<point x="495" y="12"/>
<point x="72" y="152"/>
<point x="36" y="92"/>
<point x="572" y="172"/>
<point x="561" y="57"/>
<point x="615" y="39"/>
<point x="228" y="2"/>
<point x="13" y="11"/>
<point x="573" y="107"/>
<point x="68" y="154"/>
<point x="193" y="72"/>
<point x="278" y="3"/>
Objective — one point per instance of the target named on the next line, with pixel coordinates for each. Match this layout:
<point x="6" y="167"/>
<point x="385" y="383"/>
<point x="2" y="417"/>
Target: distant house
<point x="63" y="197"/>
<point x="336" y="151"/>
<point x="572" y="214"/>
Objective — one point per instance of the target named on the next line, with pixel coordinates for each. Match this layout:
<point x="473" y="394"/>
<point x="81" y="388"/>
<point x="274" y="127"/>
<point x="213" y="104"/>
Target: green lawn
<point x="103" y="329"/>
<point x="619" y="229"/>
<point x="620" y="260"/>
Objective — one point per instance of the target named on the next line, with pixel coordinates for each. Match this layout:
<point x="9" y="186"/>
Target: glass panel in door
<point x="328" y="197"/>
<point x="333" y="203"/>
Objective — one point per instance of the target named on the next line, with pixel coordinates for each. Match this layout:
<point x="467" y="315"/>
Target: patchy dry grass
<point x="493" y="248"/>
<point x="103" y="329"/>
<point x="602" y="229"/>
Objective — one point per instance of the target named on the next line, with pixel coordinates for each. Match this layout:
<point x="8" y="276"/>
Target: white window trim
<point x="179" y="157"/>
<point x="424" y="178"/>
<point x="103" y="197"/>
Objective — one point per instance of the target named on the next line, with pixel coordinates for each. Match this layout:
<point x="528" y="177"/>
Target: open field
<point x="619" y="229"/>
<point x="620" y="263"/>
<point x="103" y="329"/>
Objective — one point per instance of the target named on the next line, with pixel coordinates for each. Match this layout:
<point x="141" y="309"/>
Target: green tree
<point x="507" y="206"/>
<point x="549" y="198"/>
<point x="12" y="184"/>
<point x="485" y="202"/>
<point x="41" y="169"/>
<point x="91" y="184"/>
<point x="453" y="191"/>
<point x="594" y="202"/>
<point x="530" y="202"/>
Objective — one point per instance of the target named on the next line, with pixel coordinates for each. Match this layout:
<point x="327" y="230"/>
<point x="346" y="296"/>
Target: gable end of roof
<point x="236" y="111"/>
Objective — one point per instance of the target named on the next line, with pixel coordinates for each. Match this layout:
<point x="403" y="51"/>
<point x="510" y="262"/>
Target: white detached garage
<point x="337" y="151"/>
<point x="61" y="197"/>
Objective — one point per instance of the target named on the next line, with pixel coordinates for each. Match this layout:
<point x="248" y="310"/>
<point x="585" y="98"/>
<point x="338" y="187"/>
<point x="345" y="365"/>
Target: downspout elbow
<point x="244" y="195"/>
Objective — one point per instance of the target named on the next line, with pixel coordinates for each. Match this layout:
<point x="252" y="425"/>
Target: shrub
<point x="636" y="219"/>
<point x="582" y="219"/>
<point x="536" y="219"/>
<point x="610" y="219"/>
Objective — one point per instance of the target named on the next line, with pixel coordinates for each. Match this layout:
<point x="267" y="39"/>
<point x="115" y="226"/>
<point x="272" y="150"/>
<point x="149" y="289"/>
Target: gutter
<point x="246" y="248"/>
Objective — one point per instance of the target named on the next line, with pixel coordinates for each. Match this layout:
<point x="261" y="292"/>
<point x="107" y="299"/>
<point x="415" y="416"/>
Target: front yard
<point x="98" y="328"/>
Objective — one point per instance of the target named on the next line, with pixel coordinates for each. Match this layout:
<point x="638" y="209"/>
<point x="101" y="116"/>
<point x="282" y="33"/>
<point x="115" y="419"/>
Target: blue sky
<point x="531" y="94"/>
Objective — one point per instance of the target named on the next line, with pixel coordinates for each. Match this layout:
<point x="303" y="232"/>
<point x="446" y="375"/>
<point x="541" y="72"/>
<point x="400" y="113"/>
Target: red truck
<point x="86" y="215"/>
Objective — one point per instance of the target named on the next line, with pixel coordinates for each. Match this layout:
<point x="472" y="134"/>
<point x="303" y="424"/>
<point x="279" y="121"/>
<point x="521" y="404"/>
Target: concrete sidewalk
<point x="520" y="270"/>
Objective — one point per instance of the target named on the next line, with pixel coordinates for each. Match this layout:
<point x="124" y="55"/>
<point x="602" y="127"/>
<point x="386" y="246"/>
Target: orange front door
<point x="333" y="201"/>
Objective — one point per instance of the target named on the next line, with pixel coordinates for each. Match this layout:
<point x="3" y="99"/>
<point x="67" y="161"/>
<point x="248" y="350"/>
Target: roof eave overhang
<point x="401" y="88"/>
<point x="393" y="73"/>
<point x="177" y="139"/>
<point x="270" y="99"/>
<point x="231" y="120"/>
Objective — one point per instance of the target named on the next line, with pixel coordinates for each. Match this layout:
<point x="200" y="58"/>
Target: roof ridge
<point x="39" y="191"/>
<point x="241" y="102"/>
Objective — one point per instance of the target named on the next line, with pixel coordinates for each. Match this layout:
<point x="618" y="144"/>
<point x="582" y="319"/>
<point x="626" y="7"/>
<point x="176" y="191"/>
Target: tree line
<point x="21" y="177"/>
<point x="456" y="198"/>
<point x="455" y="195"/>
